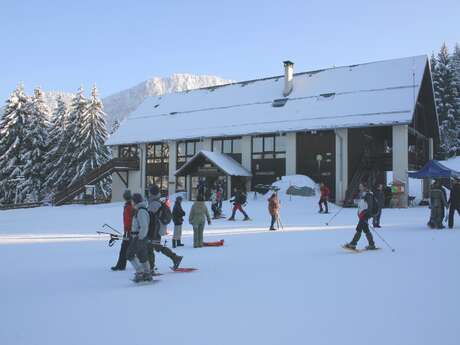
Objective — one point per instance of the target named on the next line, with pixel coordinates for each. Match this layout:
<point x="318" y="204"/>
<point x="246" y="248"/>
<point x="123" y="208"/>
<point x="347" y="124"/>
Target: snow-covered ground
<point x="295" y="286"/>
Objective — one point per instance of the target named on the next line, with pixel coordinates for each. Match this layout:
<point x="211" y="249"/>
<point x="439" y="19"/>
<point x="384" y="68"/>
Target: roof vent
<point x="288" y="77"/>
<point x="280" y="102"/>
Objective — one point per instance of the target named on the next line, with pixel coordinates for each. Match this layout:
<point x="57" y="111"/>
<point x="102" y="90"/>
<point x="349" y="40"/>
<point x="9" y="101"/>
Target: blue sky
<point x="61" y="45"/>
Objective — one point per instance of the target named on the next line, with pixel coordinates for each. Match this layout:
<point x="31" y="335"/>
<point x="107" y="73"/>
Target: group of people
<point x="439" y="204"/>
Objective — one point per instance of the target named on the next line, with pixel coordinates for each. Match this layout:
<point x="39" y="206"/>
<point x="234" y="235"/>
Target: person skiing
<point x="380" y="197"/>
<point x="365" y="207"/>
<point x="137" y="252"/>
<point x="239" y="199"/>
<point x="155" y="208"/>
<point x="274" y="209"/>
<point x="198" y="215"/>
<point x="454" y="202"/>
<point x="128" y="211"/>
<point x="438" y="203"/>
<point x="178" y="219"/>
<point x="324" y="197"/>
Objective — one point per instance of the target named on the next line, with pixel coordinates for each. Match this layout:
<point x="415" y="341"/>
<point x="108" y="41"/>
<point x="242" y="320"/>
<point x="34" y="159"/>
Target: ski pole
<point x="375" y="232"/>
<point x="108" y="226"/>
<point x="280" y="222"/>
<point x="335" y="215"/>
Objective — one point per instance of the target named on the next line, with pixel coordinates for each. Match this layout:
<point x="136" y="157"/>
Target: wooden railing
<point x="94" y="176"/>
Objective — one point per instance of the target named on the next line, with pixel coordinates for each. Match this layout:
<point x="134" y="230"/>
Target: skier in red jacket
<point x="324" y="197"/>
<point x="128" y="212"/>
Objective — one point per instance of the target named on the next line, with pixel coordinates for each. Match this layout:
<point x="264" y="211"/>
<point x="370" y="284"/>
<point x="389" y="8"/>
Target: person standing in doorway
<point x="380" y="197"/>
<point x="323" y="198"/>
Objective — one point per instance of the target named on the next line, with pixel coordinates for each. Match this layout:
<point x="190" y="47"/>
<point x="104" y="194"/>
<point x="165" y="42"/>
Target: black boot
<point x="179" y="243"/>
<point x="176" y="261"/>
<point x="174" y="243"/>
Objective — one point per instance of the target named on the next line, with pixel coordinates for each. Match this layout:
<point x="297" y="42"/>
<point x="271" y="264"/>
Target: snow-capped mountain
<point x="119" y="105"/>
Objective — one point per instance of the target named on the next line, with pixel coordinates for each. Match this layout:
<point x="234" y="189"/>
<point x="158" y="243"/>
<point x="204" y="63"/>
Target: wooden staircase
<point x="367" y="172"/>
<point x="94" y="176"/>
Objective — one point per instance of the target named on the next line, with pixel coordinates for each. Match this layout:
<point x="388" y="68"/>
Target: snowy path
<point x="291" y="287"/>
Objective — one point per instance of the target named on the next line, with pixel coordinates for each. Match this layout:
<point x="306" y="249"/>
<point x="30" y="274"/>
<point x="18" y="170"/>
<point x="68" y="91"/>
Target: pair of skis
<point x="359" y="250"/>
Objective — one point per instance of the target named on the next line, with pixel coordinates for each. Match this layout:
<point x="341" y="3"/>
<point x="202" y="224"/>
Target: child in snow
<point x="239" y="199"/>
<point x="274" y="209"/>
<point x="137" y="252"/>
<point x="197" y="217"/>
<point x="364" y="213"/>
<point x="127" y="223"/>
<point x="178" y="219"/>
<point x="324" y="197"/>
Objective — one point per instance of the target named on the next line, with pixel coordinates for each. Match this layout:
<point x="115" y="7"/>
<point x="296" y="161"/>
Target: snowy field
<point x="295" y="286"/>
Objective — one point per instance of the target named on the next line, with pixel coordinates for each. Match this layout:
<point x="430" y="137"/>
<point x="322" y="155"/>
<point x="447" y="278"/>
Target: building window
<point x="181" y="185"/>
<point x="157" y="166"/>
<point x="269" y="147"/>
<point x="229" y="146"/>
<point x="157" y="153"/>
<point x="185" y="151"/>
<point x="128" y="151"/>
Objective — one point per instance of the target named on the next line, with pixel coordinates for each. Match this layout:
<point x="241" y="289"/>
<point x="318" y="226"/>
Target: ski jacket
<point x="154" y="207"/>
<point x="273" y="205"/>
<point x="178" y="214"/>
<point x="199" y="213"/>
<point x="365" y="205"/>
<point x="141" y="221"/>
<point x="128" y="211"/>
<point x="454" y="198"/>
<point x="214" y="199"/>
<point x="239" y="198"/>
<point x="324" y="192"/>
<point x="380" y="197"/>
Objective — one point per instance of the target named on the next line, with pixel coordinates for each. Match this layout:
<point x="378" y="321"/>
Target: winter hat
<point x="179" y="199"/>
<point x="127" y="195"/>
<point x="137" y="198"/>
<point x="154" y="190"/>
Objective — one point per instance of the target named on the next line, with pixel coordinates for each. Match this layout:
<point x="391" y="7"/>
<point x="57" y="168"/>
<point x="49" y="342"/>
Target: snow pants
<point x="363" y="226"/>
<point x="238" y="207"/>
<point x="323" y="201"/>
<point x="452" y="210"/>
<point x="159" y="248"/>
<point x="121" y="263"/>
<point x="137" y="248"/>
<point x="177" y="232"/>
<point x="198" y="230"/>
<point x="436" y="218"/>
<point x="376" y="219"/>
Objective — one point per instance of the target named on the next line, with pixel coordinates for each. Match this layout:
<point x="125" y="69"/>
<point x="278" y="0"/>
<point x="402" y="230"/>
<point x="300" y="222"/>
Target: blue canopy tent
<point x="434" y="169"/>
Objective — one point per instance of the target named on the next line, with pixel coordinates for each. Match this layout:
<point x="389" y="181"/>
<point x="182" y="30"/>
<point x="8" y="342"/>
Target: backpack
<point x="154" y="226"/>
<point x="243" y="198"/>
<point x="164" y="214"/>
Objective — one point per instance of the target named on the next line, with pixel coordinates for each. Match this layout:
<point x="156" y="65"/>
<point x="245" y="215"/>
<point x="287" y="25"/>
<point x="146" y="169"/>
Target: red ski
<point x="213" y="244"/>
<point x="184" y="269"/>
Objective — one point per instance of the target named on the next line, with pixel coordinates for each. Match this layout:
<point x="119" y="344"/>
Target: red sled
<point x="184" y="269"/>
<point x="213" y="244"/>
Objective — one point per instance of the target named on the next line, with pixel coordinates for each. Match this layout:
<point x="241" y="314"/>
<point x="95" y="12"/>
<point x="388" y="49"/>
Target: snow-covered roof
<point x="377" y="93"/>
<point x="221" y="160"/>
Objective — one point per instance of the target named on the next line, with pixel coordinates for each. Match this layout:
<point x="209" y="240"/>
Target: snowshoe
<point x="147" y="277"/>
<point x="350" y="247"/>
<point x="213" y="244"/>
<point x="184" y="269"/>
<point x="246" y="218"/>
<point x="369" y="247"/>
<point x="138" y="277"/>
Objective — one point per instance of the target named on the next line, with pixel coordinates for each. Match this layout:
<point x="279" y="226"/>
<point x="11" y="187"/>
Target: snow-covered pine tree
<point x="12" y="132"/>
<point x="456" y="66"/>
<point x="115" y="126"/>
<point x="35" y="146"/>
<point x="66" y="166"/>
<point x="446" y="101"/>
<point x="93" y="134"/>
<point x="56" y="145"/>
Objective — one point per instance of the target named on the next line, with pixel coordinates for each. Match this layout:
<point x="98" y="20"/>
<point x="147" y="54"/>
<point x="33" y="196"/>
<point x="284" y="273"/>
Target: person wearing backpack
<point x="137" y="252"/>
<point x="239" y="199"/>
<point x="161" y="216"/>
<point x="366" y="207"/>
<point x="198" y="215"/>
<point x="380" y="199"/>
<point x="128" y="211"/>
<point x="178" y="218"/>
